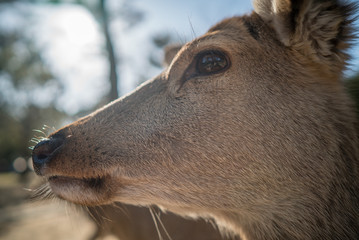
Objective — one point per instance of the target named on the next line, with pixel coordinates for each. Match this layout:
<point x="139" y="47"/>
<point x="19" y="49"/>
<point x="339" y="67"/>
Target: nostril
<point x="42" y="157"/>
<point x="41" y="150"/>
<point x="44" y="151"/>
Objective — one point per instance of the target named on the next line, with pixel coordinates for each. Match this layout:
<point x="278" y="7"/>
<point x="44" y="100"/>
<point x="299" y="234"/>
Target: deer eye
<point x="206" y="63"/>
<point x="211" y="62"/>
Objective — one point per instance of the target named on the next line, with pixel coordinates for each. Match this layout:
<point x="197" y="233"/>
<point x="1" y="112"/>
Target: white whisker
<point x="155" y="222"/>
<point x="163" y="227"/>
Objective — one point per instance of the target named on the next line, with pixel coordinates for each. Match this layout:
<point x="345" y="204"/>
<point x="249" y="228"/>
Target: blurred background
<point x="61" y="59"/>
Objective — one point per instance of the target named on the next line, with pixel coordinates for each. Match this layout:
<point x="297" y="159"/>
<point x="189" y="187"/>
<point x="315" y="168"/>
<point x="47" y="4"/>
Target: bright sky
<point x="73" y="46"/>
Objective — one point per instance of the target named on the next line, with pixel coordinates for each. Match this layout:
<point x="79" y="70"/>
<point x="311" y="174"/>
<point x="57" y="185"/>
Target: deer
<point x="250" y="125"/>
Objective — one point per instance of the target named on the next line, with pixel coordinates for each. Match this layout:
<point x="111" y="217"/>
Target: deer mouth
<point x="93" y="183"/>
<point x="84" y="191"/>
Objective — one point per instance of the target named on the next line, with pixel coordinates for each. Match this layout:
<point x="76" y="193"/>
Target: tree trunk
<point x="114" y="92"/>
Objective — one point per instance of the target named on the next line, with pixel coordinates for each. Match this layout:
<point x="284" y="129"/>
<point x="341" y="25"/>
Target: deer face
<point x="237" y="123"/>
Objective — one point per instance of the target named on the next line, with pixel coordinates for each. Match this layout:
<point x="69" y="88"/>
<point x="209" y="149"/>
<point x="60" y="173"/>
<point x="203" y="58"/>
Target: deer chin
<point x="84" y="191"/>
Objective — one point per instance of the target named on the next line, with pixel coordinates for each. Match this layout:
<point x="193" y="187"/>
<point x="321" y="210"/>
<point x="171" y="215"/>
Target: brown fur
<point x="267" y="146"/>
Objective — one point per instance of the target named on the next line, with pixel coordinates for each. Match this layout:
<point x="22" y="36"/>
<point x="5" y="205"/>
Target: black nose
<point x="44" y="151"/>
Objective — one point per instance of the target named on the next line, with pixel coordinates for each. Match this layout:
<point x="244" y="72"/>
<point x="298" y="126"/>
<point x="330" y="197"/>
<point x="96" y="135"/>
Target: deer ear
<point x="279" y="13"/>
<point x="170" y="52"/>
<point x="319" y="29"/>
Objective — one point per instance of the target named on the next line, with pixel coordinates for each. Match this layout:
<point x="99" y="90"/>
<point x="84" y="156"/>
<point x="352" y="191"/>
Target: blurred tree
<point x="23" y="74"/>
<point x="113" y="76"/>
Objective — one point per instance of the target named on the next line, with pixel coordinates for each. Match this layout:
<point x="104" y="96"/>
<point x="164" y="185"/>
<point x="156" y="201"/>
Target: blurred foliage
<point x="20" y="59"/>
<point x="352" y="85"/>
<point x="23" y="74"/>
<point x="15" y="133"/>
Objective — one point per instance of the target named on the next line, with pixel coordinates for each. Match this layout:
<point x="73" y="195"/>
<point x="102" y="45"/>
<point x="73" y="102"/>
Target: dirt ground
<point x="21" y="218"/>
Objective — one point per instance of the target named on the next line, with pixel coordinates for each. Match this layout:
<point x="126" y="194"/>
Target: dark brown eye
<point x="211" y="62"/>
